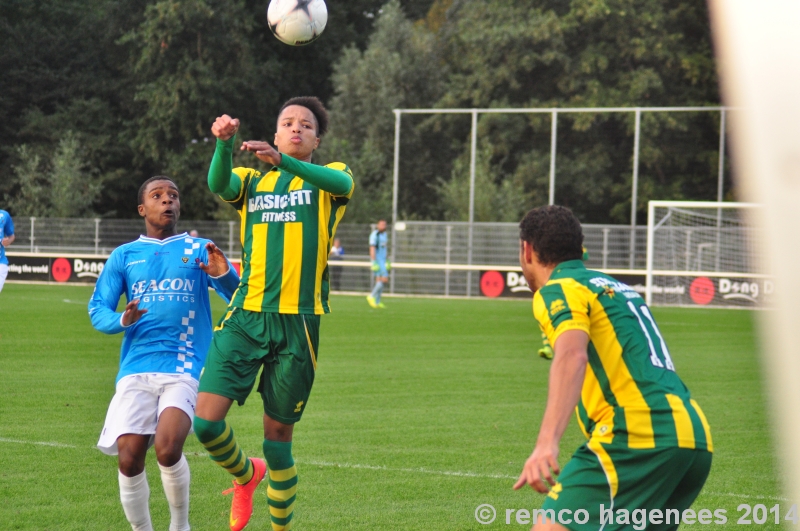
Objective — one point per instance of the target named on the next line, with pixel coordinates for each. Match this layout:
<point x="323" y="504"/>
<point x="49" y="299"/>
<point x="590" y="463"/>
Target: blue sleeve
<point x="9" y="226"/>
<point x="373" y="239"/>
<point x="107" y="291"/>
<point x="226" y="284"/>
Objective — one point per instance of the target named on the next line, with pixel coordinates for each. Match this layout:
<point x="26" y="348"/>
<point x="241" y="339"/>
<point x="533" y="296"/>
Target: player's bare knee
<point x="130" y="464"/>
<point x="169" y="453"/>
<point x="277" y="431"/>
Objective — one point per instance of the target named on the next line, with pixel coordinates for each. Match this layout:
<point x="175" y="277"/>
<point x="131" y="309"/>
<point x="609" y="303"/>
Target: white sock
<point x="135" y="496"/>
<point x="175" y="479"/>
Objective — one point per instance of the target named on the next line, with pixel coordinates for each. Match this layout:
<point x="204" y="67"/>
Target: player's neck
<point x="160" y="233"/>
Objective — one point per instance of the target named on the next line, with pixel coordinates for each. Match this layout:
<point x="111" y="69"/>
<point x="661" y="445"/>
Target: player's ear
<point x="527" y="251"/>
<point x="316" y="143"/>
<point x="140" y="208"/>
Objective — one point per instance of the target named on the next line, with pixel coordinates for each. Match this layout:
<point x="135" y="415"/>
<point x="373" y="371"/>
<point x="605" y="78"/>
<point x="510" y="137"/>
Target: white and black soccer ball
<point x="297" y="22"/>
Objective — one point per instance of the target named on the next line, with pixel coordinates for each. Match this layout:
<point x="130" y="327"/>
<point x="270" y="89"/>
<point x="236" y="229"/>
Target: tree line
<point x="98" y="95"/>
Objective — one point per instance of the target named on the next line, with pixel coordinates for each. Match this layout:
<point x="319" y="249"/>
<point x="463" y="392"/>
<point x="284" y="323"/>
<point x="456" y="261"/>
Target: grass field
<point x="419" y="414"/>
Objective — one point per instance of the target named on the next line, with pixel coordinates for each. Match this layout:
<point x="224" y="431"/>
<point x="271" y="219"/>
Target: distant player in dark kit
<point x="289" y="217"/>
<point x="649" y="444"/>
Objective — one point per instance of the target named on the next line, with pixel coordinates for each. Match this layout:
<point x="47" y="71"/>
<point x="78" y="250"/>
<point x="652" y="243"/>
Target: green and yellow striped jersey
<point x="631" y="394"/>
<point x="287" y="228"/>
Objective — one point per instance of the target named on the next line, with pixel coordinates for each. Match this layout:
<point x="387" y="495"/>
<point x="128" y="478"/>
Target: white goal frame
<point x="651" y="228"/>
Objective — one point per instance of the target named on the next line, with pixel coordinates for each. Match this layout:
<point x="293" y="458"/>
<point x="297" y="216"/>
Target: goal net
<point x="702" y="254"/>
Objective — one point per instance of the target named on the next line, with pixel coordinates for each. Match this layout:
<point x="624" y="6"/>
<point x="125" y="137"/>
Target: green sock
<point x="282" y="483"/>
<point x="220" y="443"/>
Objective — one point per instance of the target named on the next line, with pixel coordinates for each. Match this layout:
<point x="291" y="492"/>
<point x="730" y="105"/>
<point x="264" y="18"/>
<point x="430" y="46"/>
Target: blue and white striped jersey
<point x="175" y="333"/>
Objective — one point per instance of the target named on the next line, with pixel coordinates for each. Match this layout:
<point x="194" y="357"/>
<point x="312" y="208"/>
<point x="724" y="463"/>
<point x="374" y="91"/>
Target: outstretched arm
<point x="336" y="182"/>
<point x="221" y="179"/>
<point x="563" y="392"/>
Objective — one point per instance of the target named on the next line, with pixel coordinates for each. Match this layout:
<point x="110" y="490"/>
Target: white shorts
<point x="3" y="275"/>
<point x="139" y="401"/>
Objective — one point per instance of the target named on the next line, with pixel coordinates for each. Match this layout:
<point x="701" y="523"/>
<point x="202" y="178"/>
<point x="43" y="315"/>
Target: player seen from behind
<point x="649" y="445"/>
<point x="165" y="278"/>
<point x="289" y="217"/>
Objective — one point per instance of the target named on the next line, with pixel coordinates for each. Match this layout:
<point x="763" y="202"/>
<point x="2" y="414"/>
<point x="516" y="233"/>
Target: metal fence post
<point x="472" y="155"/>
<point x="395" y="191"/>
<point x="553" y="129"/>
<point x="96" y="235"/>
<point x="720" y="184"/>
<point x="635" y="185"/>
<point x="33" y="224"/>
<point x="688" y="249"/>
<point x="449" y="230"/>
<point x="605" y="247"/>
<point x="231" y="225"/>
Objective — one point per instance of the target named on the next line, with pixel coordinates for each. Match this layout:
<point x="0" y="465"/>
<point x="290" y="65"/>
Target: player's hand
<point x="217" y="264"/>
<point x="538" y="468"/>
<point x="5" y="242"/>
<point x="375" y="266"/>
<point x="263" y="150"/>
<point x="225" y="127"/>
<point x="132" y="313"/>
<point x="388" y="265"/>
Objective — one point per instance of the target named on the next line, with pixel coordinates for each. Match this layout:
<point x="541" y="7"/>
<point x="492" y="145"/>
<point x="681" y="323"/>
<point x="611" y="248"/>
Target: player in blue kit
<point x="378" y="242"/>
<point x="165" y="277"/>
<point x="6" y="239"/>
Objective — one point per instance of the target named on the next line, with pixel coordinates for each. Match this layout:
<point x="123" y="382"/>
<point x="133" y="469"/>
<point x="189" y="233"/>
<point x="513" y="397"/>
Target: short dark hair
<point x="554" y="233"/>
<point x="313" y="104"/>
<point x="143" y="187"/>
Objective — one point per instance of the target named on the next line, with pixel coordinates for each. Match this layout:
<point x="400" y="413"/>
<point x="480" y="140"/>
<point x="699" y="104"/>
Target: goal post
<point x="702" y="253"/>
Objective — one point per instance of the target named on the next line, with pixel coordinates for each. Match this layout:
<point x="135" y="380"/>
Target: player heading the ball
<point x="289" y="217"/>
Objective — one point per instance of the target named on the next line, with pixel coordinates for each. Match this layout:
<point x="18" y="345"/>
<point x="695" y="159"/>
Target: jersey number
<point x="654" y="352"/>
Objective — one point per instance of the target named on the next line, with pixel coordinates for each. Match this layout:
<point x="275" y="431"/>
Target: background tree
<point x="140" y="92"/>
<point x="399" y="68"/>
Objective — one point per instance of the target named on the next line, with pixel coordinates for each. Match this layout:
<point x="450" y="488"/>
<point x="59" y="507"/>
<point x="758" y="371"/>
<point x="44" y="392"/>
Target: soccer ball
<point x="297" y="22"/>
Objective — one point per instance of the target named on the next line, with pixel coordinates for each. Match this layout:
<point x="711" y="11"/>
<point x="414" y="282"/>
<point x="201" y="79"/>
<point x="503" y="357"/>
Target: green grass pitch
<point x="420" y="413"/>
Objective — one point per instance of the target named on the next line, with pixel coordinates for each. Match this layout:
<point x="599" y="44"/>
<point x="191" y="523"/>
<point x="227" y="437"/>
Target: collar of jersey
<point x="569" y="264"/>
<point x="145" y="239"/>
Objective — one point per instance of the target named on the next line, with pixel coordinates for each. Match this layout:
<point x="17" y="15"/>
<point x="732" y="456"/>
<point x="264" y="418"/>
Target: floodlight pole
<point x="395" y="188"/>
<point x="635" y="185"/>
<point x="473" y="149"/>
<point x="553" y="130"/>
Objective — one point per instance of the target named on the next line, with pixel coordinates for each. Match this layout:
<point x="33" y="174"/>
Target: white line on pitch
<point x="419" y="470"/>
<point x="38" y="443"/>
<point x="410" y="470"/>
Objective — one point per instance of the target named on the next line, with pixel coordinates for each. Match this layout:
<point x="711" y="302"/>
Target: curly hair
<point x="313" y="104"/>
<point x="554" y="233"/>
<point x="143" y="187"/>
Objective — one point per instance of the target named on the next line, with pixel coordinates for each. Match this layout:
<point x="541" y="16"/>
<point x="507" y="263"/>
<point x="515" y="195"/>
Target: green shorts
<point x="619" y="480"/>
<point x="284" y="344"/>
